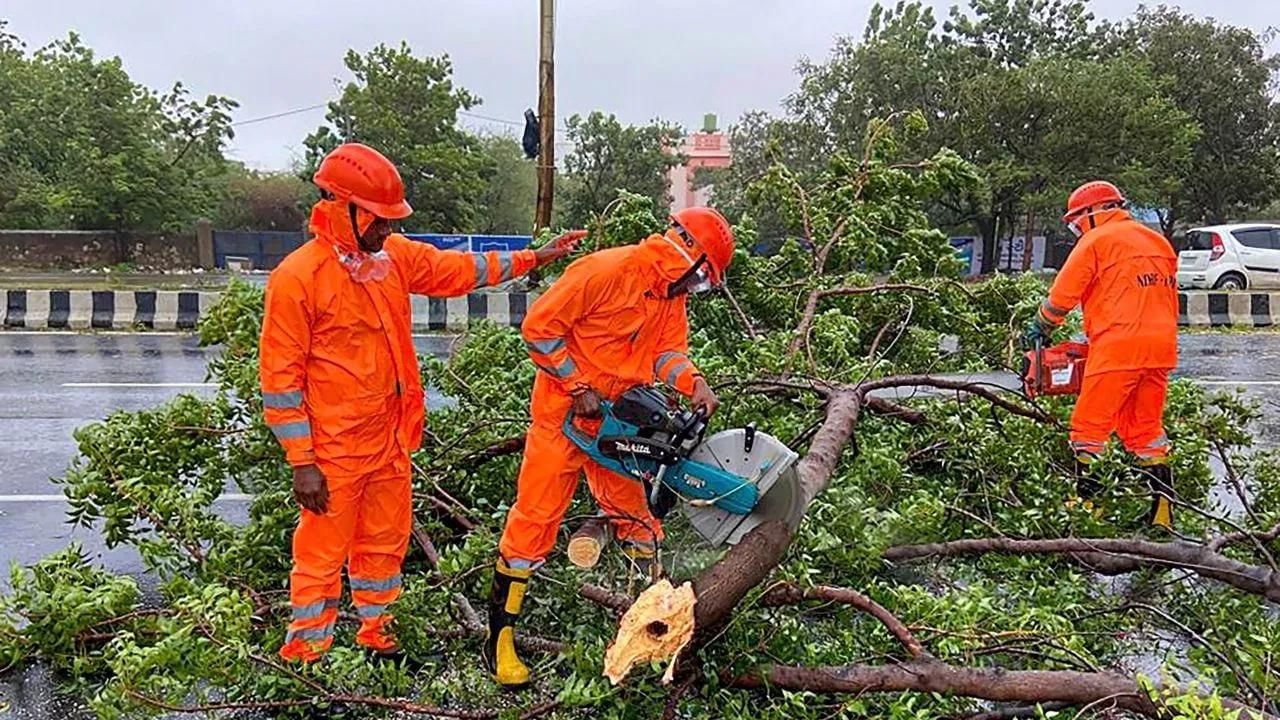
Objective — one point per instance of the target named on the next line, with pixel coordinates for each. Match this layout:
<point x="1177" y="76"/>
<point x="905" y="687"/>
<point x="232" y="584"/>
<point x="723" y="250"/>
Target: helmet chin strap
<point x="355" y="224"/>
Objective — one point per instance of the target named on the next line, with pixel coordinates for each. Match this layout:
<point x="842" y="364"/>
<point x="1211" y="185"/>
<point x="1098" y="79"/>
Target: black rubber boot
<point x="1087" y="489"/>
<point x="505" y="601"/>
<point x="1087" y="486"/>
<point x="1162" y="495"/>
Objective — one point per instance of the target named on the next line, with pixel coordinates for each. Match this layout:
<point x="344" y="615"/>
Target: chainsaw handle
<point x="577" y="436"/>
<point x="1039" y="351"/>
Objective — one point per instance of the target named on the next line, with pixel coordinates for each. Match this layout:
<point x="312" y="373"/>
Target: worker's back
<point x="1131" y="306"/>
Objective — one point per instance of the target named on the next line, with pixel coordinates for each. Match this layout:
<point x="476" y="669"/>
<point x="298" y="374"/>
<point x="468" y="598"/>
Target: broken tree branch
<point x="1114" y="556"/>
<point x="801" y="335"/>
<point x="996" y="684"/>
<point x="964" y="386"/>
<point x="789" y="594"/>
<point x="890" y="409"/>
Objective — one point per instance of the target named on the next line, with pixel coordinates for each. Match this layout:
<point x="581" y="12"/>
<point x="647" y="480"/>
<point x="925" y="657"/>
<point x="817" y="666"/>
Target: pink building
<point x="706" y="149"/>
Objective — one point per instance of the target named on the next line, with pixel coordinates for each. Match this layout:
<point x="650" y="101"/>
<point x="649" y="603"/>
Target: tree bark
<point x="996" y="684"/>
<point x="1114" y="557"/>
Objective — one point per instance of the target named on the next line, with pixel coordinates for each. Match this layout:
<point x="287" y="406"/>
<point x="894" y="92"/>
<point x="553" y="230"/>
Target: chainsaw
<point x="1054" y="370"/>
<point x="726" y="484"/>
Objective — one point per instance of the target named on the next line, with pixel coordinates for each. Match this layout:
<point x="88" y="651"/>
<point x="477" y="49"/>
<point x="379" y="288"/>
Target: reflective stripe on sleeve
<point x="292" y="431"/>
<point x="282" y="400"/>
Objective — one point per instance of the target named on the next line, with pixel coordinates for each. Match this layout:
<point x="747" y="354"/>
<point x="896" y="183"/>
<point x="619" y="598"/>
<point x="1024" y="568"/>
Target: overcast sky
<point x="639" y="59"/>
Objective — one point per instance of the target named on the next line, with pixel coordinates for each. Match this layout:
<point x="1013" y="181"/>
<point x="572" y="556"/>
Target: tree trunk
<point x="1104" y="690"/>
<point x="987" y="227"/>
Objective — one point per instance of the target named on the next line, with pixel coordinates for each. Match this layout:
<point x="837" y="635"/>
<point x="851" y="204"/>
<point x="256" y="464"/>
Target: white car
<point x="1231" y="257"/>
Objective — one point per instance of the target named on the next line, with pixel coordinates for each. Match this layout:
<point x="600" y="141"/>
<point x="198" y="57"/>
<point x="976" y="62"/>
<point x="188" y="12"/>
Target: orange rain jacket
<point x="607" y="323"/>
<point x="1125" y="275"/>
<point x="340" y="380"/>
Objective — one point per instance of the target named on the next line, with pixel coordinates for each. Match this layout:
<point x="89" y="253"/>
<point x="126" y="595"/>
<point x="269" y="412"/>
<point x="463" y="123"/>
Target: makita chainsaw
<point x="726" y="484"/>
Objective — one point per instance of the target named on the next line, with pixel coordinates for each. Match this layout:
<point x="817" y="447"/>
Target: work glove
<point x="1033" y="334"/>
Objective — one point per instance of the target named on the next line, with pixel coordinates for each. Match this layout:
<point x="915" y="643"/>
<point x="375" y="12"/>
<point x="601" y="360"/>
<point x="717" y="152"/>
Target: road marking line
<point x="138" y="385"/>
<point x="62" y="498"/>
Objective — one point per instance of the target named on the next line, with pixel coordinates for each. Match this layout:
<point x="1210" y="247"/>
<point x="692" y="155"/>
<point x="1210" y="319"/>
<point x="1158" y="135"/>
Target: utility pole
<point x="546" y="114"/>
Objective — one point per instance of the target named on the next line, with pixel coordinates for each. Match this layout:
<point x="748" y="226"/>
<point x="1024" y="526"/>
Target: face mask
<point x="694" y="282"/>
<point x="1075" y="230"/>
<point x="365" y="267"/>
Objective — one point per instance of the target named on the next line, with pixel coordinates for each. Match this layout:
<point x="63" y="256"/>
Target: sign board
<point x="1010" y="254"/>
<point x="474" y="243"/>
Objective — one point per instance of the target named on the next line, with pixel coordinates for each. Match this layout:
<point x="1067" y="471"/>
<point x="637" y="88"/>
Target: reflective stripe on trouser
<point x="311" y="630"/>
<point x="366" y="528"/>
<point x="548" y="478"/>
<point x="1129" y="403"/>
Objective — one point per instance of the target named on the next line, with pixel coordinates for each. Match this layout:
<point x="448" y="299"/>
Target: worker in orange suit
<point x="1125" y="276"/>
<point x="615" y="319"/>
<point x="342" y="392"/>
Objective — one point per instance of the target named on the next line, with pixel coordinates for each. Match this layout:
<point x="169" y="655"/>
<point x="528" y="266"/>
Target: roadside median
<point x="182" y="309"/>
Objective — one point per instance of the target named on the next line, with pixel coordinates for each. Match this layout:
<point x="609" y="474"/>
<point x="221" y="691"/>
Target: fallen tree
<point x="838" y="345"/>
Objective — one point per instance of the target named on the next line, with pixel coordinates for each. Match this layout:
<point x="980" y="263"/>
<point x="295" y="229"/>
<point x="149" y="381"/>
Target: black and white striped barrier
<point x="182" y="309"/>
<point x="105" y="309"/>
<point x="1228" y="309"/>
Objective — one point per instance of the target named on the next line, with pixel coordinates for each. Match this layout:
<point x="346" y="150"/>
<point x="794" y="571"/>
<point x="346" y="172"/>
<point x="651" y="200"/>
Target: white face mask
<point x="365" y="267"/>
<point x="702" y="278"/>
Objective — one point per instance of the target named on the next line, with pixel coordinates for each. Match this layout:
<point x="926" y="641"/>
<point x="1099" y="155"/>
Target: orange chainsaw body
<point x="1055" y="370"/>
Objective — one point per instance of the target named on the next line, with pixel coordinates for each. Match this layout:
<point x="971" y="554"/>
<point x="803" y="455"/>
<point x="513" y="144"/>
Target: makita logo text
<point x="634" y="449"/>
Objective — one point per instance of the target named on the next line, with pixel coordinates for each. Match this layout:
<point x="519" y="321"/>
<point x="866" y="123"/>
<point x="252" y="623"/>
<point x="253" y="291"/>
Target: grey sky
<point x="637" y="58"/>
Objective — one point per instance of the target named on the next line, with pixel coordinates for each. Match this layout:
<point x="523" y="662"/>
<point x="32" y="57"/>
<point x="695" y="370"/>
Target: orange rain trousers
<point x="1128" y="403"/>
<point x="367" y="529"/>
<point x="608" y="325"/>
<point x="549" y="478"/>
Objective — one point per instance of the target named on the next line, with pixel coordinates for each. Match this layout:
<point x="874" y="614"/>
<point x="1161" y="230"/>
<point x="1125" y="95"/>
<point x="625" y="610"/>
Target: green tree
<point x="407" y="107"/>
<point x="83" y="146"/>
<point x="608" y="156"/>
<point x="1013" y="86"/>
<point x="511" y="188"/>
<point x="1223" y="78"/>
<point x="256" y="200"/>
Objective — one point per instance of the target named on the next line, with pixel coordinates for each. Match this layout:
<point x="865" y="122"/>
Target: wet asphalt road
<point x="51" y="384"/>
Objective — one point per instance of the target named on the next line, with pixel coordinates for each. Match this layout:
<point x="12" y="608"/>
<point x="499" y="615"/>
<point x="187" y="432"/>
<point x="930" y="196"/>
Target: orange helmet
<point x="1097" y="194"/>
<point x="711" y="233"/>
<point x="360" y="175"/>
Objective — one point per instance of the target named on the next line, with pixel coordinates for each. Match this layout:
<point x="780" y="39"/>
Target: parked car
<point x="1231" y="257"/>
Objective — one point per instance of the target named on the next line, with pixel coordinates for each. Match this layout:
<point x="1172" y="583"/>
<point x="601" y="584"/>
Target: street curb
<point x="1228" y="309"/>
<point x="182" y="309"/>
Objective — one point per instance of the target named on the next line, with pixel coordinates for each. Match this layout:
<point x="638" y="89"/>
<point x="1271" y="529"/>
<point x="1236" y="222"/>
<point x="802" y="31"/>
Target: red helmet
<point x="712" y="234"/>
<point x="360" y="175"/>
<point x="1096" y="194"/>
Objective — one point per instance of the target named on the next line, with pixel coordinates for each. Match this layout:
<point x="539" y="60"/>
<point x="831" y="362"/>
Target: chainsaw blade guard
<point x="761" y="460"/>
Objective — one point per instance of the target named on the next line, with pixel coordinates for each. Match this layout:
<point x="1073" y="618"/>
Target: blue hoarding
<point x="474" y="243"/>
